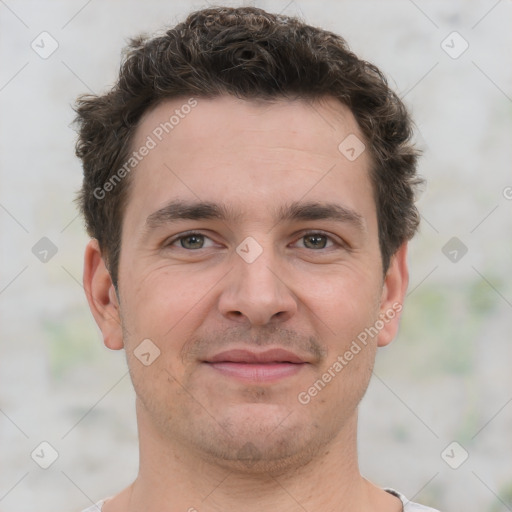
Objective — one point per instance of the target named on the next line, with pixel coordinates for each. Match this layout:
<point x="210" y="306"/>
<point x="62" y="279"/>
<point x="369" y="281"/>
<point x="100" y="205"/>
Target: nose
<point x="256" y="292"/>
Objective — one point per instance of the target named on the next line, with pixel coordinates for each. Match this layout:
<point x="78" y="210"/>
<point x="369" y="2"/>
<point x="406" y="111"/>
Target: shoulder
<point x="409" y="506"/>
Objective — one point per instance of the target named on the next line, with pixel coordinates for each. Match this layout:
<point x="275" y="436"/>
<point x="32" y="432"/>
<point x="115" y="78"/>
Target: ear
<point x="393" y="294"/>
<point x="102" y="297"/>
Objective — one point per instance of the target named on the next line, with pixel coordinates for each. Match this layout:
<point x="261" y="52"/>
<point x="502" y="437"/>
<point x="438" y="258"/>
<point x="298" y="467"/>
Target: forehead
<point x="242" y="152"/>
<point x="226" y="119"/>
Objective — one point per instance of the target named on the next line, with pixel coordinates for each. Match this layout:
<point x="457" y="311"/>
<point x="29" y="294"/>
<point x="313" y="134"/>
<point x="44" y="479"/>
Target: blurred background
<point x="437" y="419"/>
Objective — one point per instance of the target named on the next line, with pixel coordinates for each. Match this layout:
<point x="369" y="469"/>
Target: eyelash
<point x="330" y="238"/>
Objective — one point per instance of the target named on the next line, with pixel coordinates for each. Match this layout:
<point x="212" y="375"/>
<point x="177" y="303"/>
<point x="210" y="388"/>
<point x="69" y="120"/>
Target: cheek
<point x="346" y="300"/>
<point x="345" y="306"/>
<point x="164" y="303"/>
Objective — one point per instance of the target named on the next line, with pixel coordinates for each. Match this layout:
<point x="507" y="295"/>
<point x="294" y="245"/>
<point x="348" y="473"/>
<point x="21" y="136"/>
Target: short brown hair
<point x="251" y="54"/>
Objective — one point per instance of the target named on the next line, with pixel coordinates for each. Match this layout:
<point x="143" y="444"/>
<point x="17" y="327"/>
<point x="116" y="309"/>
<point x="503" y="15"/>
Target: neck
<point x="173" y="477"/>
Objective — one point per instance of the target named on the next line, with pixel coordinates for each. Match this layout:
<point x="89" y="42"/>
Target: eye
<point x="192" y="241"/>
<point x="317" y="241"/>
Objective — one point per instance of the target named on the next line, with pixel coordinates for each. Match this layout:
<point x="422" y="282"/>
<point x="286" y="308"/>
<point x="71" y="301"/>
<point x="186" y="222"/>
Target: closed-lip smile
<point x="250" y="365"/>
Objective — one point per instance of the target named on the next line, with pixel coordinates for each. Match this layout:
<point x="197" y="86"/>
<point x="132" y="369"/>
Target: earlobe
<point x="393" y="294"/>
<point x="102" y="296"/>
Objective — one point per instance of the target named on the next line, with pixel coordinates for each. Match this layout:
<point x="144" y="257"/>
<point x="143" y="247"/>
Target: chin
<point x="259" y="438"/>
<point x="261" y="458"/>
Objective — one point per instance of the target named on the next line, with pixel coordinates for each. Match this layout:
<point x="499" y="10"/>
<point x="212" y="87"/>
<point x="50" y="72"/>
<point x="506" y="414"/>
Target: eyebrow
<point x="304" y="211"/>
<point x="296" y="211"/>
<point x="179" y="209"/>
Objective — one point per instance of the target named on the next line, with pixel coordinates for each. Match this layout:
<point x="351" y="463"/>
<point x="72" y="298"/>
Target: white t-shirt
<point x="409" y="506"/>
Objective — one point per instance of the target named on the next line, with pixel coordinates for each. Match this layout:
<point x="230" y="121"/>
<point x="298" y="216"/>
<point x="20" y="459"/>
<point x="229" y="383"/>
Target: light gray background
<point x="447" y="376"/>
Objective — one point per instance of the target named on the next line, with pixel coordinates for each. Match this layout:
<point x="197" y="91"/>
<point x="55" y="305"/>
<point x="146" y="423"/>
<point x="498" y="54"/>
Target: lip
<point x="275" y="355"/>
<point x="269" y="366"/>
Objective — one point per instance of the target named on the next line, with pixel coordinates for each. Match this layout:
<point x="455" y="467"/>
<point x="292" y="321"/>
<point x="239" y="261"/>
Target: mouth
<point x="268" y="366"/>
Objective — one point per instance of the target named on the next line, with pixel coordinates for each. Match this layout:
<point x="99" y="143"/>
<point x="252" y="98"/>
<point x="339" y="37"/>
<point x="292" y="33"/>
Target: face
<point x="250" y="260"/>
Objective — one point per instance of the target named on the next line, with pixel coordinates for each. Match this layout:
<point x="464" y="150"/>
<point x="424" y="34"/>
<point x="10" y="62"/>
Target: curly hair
<point x="251" y="54"/>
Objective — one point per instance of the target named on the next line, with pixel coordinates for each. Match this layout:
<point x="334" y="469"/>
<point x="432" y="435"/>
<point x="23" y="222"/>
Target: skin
<point x="210" y="442"/>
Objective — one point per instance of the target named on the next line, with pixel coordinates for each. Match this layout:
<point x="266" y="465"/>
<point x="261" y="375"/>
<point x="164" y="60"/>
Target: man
<point x="249" y="190"/>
